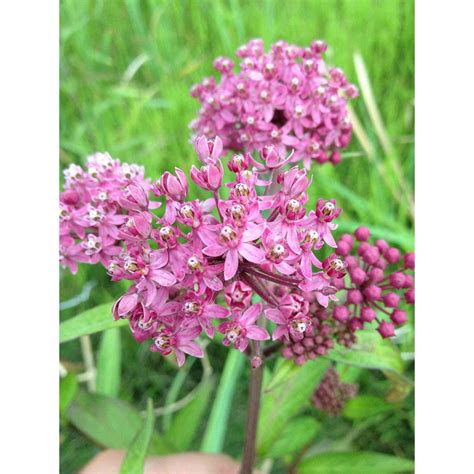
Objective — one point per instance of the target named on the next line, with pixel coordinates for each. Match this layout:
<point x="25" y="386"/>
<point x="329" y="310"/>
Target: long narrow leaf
<point x="134" y="461"/>
<point x="283" y="397"/>
<point x="109" y="363"/>
<point x="89" y="322"/>
<point x="214" y="435"/>
<point x="185" y="423"/>
<point x="354" y="463"/>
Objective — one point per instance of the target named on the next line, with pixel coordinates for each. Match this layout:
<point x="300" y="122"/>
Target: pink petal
<point x="231" y="264"/>
<point x="293" y="241"/>
<point x="215" y="311"/>
<point x="127" y="303"/>
<point x="306" y="269"/>
<point x="280" y="333"/>
<point x="192" y="348"/>
<point x="275" y="316"/>
<point x="253" y="233"/>
<point x="164" y="278"/>
<point x="257" y="333"/>
<point x="213" y="283"/>
<point x="251" y="253"/>
<point x="284" y="268"/>
<point x="214" y="250"/>
<point x="180" y="357"/>
<point x="251" y="315"/>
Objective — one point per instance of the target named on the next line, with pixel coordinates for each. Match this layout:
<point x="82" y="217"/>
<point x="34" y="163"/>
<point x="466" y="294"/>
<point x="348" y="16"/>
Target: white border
<point x="444" y="181"/>
<point x="29" y="109"/>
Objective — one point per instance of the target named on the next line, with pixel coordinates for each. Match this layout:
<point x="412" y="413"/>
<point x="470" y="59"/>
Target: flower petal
<point x="231" y="264"/>
<point x="257" y="333"/>
<point x="275" y="316"/>
<point x="251" y="315"/>
<point x="214" y="250"/>
<point x="251" y="253"/>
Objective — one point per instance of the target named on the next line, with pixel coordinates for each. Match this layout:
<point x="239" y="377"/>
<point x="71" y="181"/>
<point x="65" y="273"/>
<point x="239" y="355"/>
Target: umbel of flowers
<point x="196" y="265"/>
<point x="288" y="97"/>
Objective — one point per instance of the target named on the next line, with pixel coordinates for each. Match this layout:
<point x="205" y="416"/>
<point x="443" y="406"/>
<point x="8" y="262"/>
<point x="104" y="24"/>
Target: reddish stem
<point x="255" y="388"/>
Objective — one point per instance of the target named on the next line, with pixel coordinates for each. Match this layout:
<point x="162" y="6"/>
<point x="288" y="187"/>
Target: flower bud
<point x="410" y="296"/>
<point x="386" y="329"/>
<point x="354" y="297"/>
<point x="362" y="234"/>
<point x="397" y="280"/>
<point x="341" y="313"/>
<point x="391" y="300"/>
<point x="409" y="260"/>
<point x="399" y="317"/>
<point x="367" y="314"/>
<point x="392" y="255"/>
<point x="372" y="293"/>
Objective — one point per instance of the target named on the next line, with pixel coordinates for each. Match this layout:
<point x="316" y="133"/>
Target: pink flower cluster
<point x="377" y="283"/>
<point x="331" y="395"/>
<point x="287" y="97"/>
<point x="196" y="267"/>
<point x="96" y="204"/>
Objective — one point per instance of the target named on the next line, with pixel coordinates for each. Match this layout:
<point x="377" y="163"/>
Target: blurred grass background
<point x="126" y="70"/>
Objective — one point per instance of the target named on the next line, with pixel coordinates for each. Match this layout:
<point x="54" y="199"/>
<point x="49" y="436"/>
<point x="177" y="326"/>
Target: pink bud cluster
<point x="195" y="268"/>
<point x="376" y="282"/>
<point x="331" y="395"/>
<point x="287" y="97"/>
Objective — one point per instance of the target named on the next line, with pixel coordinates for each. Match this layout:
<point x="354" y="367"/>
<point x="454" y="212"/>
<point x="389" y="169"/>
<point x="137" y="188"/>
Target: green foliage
<point x="89" y="322"/>
<point x="364" y="406"/>
<point x="283" y="397"/>
<point x="110" y="422"/>
<point x="109" y="363"/>
<point x="67" y="391"/>
<point x="295" y="435"/>
<point x="355" y="463"/>
<point x="214" y="435"/>
<point x="134" y="460"/>
<point x="370" y="352"/>
<point x="186" y="422"/>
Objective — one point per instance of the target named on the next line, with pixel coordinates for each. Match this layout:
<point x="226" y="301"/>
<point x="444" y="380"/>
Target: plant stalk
<point x="255" y="389"/>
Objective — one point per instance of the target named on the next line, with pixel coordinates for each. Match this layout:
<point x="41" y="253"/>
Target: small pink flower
<point x="181" y="342"/>
<point x="242" y="328"/>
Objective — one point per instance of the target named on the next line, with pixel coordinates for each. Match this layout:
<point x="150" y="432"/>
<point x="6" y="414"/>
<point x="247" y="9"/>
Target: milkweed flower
<point x="194" y="267"/>
<point x="288" y="97"/>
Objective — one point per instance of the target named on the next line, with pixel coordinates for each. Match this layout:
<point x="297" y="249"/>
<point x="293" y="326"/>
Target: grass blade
<point x="109" y="363"/>
<point x="134" y="461"/>
<point x="214" y="435"/>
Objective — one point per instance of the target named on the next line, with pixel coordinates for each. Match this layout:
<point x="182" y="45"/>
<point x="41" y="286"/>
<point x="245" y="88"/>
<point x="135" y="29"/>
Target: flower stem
<point x="255" y="389"/>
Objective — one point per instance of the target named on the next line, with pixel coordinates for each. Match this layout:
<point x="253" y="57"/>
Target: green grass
<point x="126" y="70"/>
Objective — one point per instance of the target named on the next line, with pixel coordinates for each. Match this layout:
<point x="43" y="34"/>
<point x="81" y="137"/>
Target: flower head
<point x="287" y="98"/>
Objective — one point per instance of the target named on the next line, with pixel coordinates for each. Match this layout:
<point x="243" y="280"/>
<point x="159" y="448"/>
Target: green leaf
<point x="370" y="352"/>
<point x="186" y="422"/>
<point x="364" y="406"/>
<point x="110" y="422"/>
<point x="89" y="322"/>
<point x="67" y="391"/>
<point x="288" y="390"/>
<point x="108" y="363"/>
<point x="173" y="391"/>
<point x="354" y="463"/>
<point x="134" y="461"/>
<point x="214" y="435"/>
<point x="294" y="436"/>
